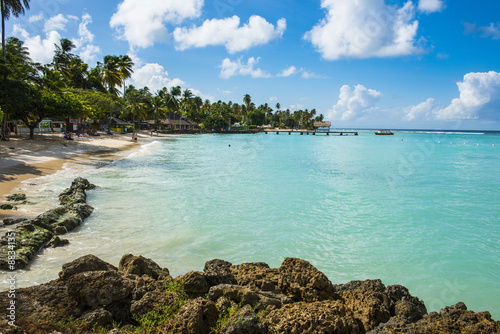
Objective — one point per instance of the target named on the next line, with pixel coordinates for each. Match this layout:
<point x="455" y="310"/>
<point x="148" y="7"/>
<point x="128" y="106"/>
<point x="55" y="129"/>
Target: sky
<point x="422" y="64"/>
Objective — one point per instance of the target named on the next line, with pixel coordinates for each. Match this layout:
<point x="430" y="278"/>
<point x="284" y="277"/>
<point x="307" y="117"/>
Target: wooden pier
<point x="314" y="132"/>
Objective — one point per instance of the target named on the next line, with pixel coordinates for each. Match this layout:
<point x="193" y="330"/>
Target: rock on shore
<point x="142" y="297"/>
<point x="32" y="235"/>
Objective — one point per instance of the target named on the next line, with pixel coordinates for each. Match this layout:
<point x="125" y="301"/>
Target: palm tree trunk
<point x="4" y="122"/>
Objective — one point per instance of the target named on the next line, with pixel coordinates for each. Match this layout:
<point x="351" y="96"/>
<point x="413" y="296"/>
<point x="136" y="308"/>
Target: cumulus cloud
<point x="479" y="96"/>
<point x="288" y="71"/>
<point x="142" y="23"/>
<point x="41" y="49"/>
<point x="365" y="29"/>
<point x="354" y="103"/>
<point x="227" y="32"/>
<point x="231" y="68"/>
<point x="35" y="18"/>
<point x="420" y="111"/>
<point x="155" y="77"/>
<point x="430" y="6"/>
<point x="88" y="52"/>
<point x="57" y="22"/>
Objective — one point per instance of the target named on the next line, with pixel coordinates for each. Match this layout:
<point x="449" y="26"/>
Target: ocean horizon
<point x="419" y="208"/>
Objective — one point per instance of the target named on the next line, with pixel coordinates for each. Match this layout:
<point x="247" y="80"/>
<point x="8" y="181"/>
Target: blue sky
<point x="429" y="64"/>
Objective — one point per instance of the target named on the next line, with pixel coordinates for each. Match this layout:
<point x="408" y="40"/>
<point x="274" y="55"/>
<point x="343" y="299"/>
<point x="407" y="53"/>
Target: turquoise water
<point x="419" y="209"/>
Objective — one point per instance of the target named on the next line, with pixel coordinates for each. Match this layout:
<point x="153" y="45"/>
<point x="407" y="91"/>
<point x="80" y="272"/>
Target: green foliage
<point x="161" y="319"/>
<point x="68" y="87"/>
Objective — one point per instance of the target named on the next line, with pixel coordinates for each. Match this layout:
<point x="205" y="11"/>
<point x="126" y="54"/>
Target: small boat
<point x="384" y="133"/>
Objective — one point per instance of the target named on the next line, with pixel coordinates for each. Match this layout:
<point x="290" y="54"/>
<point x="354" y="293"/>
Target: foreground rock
<point x="142" y="297"/>
<point x="32" y="235"/>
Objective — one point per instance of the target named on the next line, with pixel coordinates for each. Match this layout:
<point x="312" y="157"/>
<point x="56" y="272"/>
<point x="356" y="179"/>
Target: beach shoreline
<point x="22" y="159"/>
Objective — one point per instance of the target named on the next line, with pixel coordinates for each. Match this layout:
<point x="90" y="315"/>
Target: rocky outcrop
<point x="142" y="297"/>
<point x="303" y="282"/>
<point x="373" y="303"/>
<point x="327" y="316"/>
<point x="32" y="235"/>
<point x="454" y="319"/>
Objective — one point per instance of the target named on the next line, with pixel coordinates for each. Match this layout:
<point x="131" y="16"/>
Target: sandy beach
<point x="22" y="159"/>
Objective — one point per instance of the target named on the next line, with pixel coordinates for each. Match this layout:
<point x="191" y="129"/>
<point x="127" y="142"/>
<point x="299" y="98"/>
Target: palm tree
<point x="157" y="108"/>
<point x="247" y="100"/>
<point x="125" y="65"/>
<point x="16" y="8"/>
<point x="135" y="104"/>
<point x="110" y="74"/>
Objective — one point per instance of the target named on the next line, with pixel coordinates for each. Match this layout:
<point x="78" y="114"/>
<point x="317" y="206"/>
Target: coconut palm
<point x="247" y="99"/>
<point x="110" y="74"/>
<point x="135" y="104"/>
<point x="16" y="8"/>
<point x="125" y="65"/>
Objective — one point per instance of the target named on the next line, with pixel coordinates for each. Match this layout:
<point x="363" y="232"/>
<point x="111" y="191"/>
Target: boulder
<point x="248" y="295"/>
<point x="139" y="265"/>
<point x="152" y="301"/>
<point x="12" y="221"/>
<point x="257" y="274"/>
<point x="56" y="242"/>
<point x="76" y="193"/>
<point x="243" y="321"/>
<point x="372" y="303"/>
<point x="454" y="319"/>
<point x="328" y="316"/>
<point x="99" y="317"/>
<point x="85" y="264"/>
<point x="49" y="301"/>
<point x="98" y="288"/>
<point x="16" y="197"/>
<point x="194" y="283"/>
<point x="218" y="272"/>
<point x="301" y="281"/>
<point x="196" y="316"/>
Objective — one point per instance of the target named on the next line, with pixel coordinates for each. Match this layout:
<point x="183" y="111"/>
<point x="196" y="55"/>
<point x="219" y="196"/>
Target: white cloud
<point x="228" y="32"/>
<point x="365" y="29"/>
<point x="41" y="50"/>
<point x="233" y="68"/>
<point x="311" y="75"/>
<point x="57" y="22"/>
<point x="420" y="111"/>
<point x="288" y="71"/>
<point x="155" y="77"/>
<point x="479" y="96"/>
<point x="88" y="52"/>
<point x="353" y="104"/>
<point x="142" y="23"/>
<point x="492" y="31"/>
<point x="35" y="18"/>
<point x="430" y="6"/>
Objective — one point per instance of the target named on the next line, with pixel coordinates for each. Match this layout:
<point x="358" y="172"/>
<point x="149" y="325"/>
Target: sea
<point x="420" y="208"/>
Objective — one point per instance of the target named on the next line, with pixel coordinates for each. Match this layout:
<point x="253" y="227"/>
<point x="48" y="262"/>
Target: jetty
<point x="312" y="132"/>
<point x="319" y="128"/>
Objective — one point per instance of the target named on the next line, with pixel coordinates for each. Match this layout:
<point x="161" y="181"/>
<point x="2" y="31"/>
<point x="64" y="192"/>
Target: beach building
<point x="171" y="123"/>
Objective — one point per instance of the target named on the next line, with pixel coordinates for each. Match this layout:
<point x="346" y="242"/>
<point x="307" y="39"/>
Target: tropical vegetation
<point x="68" y="88"/>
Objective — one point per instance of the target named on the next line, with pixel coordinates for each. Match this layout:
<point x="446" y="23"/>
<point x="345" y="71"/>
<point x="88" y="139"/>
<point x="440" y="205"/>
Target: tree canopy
<point x="69" y="88"/>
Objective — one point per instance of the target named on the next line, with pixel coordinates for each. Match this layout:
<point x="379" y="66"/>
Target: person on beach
<point x="135" y="137"/>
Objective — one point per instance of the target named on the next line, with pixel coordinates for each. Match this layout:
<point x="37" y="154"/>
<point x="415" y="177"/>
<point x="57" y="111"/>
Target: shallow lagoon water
<point x="418" y="209"/>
